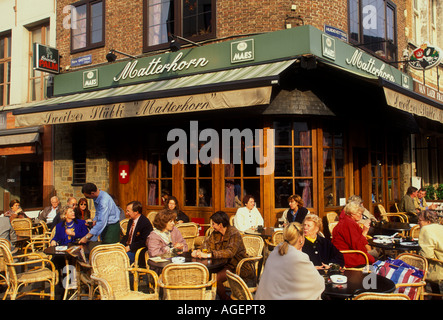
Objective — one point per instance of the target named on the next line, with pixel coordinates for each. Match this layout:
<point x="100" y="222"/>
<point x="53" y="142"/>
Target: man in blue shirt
<point x="107" y="216"/>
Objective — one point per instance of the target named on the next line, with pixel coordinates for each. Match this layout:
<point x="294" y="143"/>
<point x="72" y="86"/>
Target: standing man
<point x="407" y="204"/>
<point x="107" y="216"/>
<point x="51" y="214"/>
<point x="138" y="230"/>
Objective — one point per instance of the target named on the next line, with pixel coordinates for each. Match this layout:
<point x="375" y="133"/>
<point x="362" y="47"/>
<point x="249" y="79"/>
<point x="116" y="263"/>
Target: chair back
<point x="231" y="220"/>
<point x="189" y="231"/>
<point x="381" y="209"/>
<point x="381" y="296"/>
<point x="110" y="262"/>
<point x="331" y="216"/>
<point x="151" y="216"/>
<point x="359" y="252"/>
<point x="239" y="289"/>
<point x="186" y="281"/>
<point x="124" y="226"/>
<point x="415" y="260"/>
<point x="254" y="245"/>
<point x="396" y="207"/>
<point x="331" y="226"/>
<point x="22" y="227"/>
<point x="415" y="231"/>
<point x="6" y="261"/>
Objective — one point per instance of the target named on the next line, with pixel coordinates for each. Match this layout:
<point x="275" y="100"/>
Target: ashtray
<point x="338" y="279"/>
<point x="178" y="260"/>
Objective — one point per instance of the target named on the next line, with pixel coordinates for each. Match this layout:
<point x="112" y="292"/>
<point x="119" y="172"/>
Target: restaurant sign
<point x="46" y="58"/>
<point x="171" y="105"/>
<point x="411" y="105"/>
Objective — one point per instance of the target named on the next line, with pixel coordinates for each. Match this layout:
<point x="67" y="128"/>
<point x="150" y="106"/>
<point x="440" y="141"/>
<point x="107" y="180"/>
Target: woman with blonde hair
<point x="319" y="249"/>
<point x="288" y="273"/>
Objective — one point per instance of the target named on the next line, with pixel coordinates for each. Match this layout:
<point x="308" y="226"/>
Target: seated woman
<point x="319" y="249"/>
<point x="82" y="211"/>
<point x="225" y="242"/>
<point x="69" y="229"/>
<point x="431" y="244"/>
<point x="15" y="211"/>
<point x="288" y="273"/>
<point x="296" y="212"/>
<point x="248" y="217"/>
<point x="172" y="204"/>
<point x="165" y="238"/>
<point x="349" y="235"/>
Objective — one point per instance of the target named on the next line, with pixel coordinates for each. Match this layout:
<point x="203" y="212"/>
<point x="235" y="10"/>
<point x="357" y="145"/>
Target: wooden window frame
<point x="43" y="76"/>
<point x="5" y="86"/>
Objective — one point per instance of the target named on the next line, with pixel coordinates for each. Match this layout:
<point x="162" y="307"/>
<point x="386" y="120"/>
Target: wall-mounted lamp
<point x="111" y="57"/>
<point x="175" y="45"/>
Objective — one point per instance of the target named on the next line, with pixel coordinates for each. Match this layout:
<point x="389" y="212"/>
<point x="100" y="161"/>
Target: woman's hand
<point x="195" y="253"/>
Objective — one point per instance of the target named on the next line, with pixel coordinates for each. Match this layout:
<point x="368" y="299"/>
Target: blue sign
<point x="80" y="61"/>
<point x="335" y="32"/>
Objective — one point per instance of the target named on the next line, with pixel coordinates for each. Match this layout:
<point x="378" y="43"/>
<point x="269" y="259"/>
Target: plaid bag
<point x="400" y="272"/>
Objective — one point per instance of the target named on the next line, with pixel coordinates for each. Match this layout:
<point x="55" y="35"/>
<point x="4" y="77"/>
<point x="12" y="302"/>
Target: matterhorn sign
<point x="425" y="57"/>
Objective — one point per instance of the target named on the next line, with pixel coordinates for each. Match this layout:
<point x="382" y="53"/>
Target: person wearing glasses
<point x="82" y="210"/>
<point x="319" y="249"/>
<point x="288" y="273"/>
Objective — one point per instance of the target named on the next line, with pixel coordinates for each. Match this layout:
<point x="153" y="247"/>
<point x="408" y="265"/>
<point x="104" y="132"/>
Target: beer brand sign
<point x="46" y="59"/>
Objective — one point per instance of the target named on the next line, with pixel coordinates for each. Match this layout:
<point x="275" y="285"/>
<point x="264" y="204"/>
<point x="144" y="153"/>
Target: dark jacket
<point x="323" y="251"/>
<point x="140" y="234"/>
<point x="299" y="215"/>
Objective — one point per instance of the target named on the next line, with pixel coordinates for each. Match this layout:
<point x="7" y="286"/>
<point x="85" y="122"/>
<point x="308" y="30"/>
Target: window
<point x="432" y="19"/>
<point x="333" y="167"/>
<point x="88" y="27"/>
<point x="78" y="157"/>
<point x="159" y="178"/>
<point x="416" y="25"/>
<point x="37" y="79"/>
<point x="293" y="162"/>
<point x="5" y="69"/>
<point x="372" y="26"/>
<point x="191" y="19"/>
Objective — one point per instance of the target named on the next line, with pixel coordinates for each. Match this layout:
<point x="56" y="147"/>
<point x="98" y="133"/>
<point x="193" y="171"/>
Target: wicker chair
<point x="15" y="280"/>
<point x="414" y="232"/>
<point x="23" y="227"/>
<point x="331" y="216"/>
<point x="366" y="266"/>
<point x="381" y="296"/>
<point x="188" y="281"/>
<point x="231" y="220"/>
<point x="151" y="216"/>
<point x="239" y="289"/>
<point x="110" y="267"/>
<point x="331" y="226"/>
<point x="432" y="261"/>
<point x="389" y="215"/>
<point x="189" y="231"/>
<point x="124" y="226"/>
<point x="420" y="263"/>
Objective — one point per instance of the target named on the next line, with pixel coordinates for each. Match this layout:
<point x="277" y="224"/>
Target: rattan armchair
<point x="387" y="216"/>
<point x="188" y="281"/>
<point x="110" y="267"/>
<point x="420" y="263"/>
<point x="151" y="216"/>
<point x="365" y="267"/>
<point x="433" y="262"/>
<point x="124" y="226"/>
<point x="381" y="296"/>
<point x="239" y="288"/>
<point x="189" y="231"/>
<point x="40" y="274"/>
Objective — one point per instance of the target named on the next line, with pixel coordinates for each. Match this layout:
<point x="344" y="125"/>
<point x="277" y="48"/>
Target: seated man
<point x="51" y="214"/>
<point x="407" y="205"/>
<point x="420" y="201"/>
<point x="138" y="230"/>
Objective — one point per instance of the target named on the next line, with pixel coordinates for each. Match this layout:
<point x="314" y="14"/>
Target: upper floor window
<point x="372" y="26"/>
<point x="191" y="19"/>
<point x="5" y="69"/>
<point x="87" y="25"/>
<point x="37" y="79"/>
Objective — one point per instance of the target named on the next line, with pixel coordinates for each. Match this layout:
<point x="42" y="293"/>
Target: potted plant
<point x="430" y="193"/>
<point x="439" y="192"/>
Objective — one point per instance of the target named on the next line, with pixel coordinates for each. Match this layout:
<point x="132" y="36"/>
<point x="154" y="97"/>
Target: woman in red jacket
<point x="349" y="235"/>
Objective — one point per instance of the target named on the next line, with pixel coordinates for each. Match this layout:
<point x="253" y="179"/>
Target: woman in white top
<point x="248" y="217"/>
<point x="288" y="273"/>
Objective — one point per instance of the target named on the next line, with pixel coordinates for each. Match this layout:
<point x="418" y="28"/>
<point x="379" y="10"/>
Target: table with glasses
<point x="357" y="282"/>
<point x="264" y="233"/>
<point x="214" y="265"/>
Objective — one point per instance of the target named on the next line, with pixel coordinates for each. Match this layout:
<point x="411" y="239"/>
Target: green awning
<point x="237" y="78"/>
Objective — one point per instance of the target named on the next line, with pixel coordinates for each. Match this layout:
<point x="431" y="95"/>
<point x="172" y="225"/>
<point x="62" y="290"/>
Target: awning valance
<point x="183" y="88"/>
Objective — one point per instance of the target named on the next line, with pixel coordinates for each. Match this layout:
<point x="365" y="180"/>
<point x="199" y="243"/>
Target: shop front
<point x="289" y="112"/>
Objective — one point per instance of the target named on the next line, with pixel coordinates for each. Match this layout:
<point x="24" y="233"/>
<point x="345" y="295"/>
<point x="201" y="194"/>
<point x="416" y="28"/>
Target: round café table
<point x="357" y="283"/>
<point x="213" y="265"/>
<point x="390" y="228"/>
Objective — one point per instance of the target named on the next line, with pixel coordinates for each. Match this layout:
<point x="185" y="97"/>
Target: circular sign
<point x="425" y="57"/>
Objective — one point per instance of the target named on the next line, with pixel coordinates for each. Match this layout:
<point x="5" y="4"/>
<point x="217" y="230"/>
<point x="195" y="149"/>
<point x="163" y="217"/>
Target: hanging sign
<point x="425" y="57"/>
<point x="123" y="173"/>
<point x="46" y="59"/>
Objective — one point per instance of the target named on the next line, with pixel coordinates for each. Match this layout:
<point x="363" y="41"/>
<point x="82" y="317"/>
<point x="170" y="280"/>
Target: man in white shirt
<point x="50" y="213"/>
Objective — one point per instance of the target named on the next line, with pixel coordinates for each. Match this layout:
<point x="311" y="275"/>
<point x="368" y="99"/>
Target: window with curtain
<point x="5" y="69"/>
<point x="293" y="162"/>
<point x="372" y="26"/>
<point x="191" y="19"/>
<point x="37" y="79"/>
<point x="159" y="178"/>
<point x="333" y="167"/>
<point x="87" y="25"/>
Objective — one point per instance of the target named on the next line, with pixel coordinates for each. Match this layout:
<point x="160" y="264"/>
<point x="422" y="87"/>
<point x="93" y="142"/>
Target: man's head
<point x="55" y="202"/>
<point x="412" y="191"/>
<point x="421" y="193"/>
<point x="134" y="209"/>
<point x="90" y="190"/>
<point x="72" y="202"/>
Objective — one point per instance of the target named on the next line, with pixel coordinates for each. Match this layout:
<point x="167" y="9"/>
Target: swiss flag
<point x="123" y="173"/>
